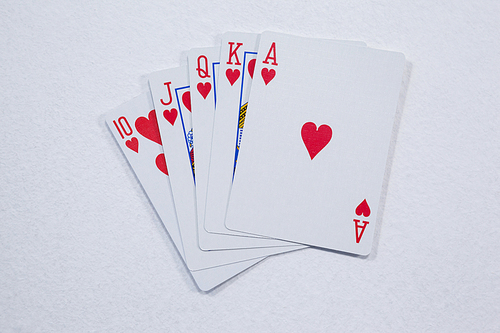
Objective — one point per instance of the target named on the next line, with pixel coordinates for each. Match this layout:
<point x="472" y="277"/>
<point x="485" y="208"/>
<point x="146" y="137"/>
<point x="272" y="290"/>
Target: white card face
<point x="236" y="71"/>
<point x="135" y="129"/>
<point x="171" y="98"/>
<point x="203" y="64"/>
<point x="317" y="135"/>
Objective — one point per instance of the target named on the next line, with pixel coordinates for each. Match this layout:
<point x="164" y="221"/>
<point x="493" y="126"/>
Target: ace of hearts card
<point x="317" y="132"/>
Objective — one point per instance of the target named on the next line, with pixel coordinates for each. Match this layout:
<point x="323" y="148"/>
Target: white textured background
<point x="81" y="249"/>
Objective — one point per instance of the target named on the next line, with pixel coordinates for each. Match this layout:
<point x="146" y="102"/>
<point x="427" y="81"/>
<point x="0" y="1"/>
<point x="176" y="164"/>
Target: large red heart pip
<point x="315" y="139"/>
<point x="204" y="89"/>
<point x="161" y="163"/>
<point x="148" y="127"/>
<point x="232" y="75"/>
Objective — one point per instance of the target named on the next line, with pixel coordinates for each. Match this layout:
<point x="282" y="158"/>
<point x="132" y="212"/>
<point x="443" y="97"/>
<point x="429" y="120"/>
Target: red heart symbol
<point x="232" y="76"/>
<point x="251" y="67"/>
<point x="204" y="89"/>
<point x="148" y="128"/>
<point x="267" y="75"/>
<point x="161" y="164"/>
<point x="315" y="140"/>
<point x="186" y="99"/>
<point x="170" y="115"/>
<point x="133" y="144"/>
<point x="363" y="209"/>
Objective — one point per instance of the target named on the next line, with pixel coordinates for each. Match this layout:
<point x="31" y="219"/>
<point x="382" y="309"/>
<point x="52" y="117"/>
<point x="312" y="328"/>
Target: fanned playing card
<point x="237" y="61"/>
<point x="171" y="97"/>
<point x="134" y="128"/>
<point x="203" y="66"/>
<point x="317" y="132"/>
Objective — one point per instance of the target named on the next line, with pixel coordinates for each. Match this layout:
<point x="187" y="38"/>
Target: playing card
<point x="203" y="64"/>
<point x="136" y="132"/>
<point x="317" y="133"/>
<point x="238" y="54"/>
<point x="171" y="98"/>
